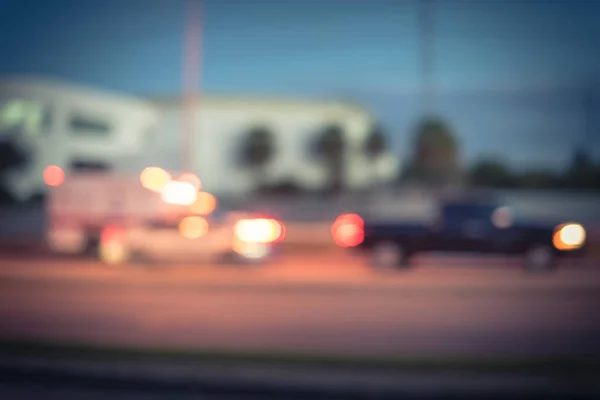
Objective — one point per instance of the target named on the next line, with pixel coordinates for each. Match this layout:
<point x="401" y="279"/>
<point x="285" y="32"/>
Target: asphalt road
<point x="96" y="380"/>
<point x="315" y="305"/>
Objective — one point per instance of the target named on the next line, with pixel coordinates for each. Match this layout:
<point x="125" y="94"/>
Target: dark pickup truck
<point x="461" y="227"/>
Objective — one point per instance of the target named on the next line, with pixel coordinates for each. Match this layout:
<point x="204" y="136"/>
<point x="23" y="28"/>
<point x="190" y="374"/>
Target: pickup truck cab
<point x="461" y="227"/>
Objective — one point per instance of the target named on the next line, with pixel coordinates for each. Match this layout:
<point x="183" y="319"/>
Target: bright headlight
<point x="569" y="236"/>
<point x="259" y="230"/>
<point x="179" y="193"/>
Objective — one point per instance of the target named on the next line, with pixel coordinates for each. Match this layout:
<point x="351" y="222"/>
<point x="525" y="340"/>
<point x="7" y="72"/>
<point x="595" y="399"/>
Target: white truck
<point x="118" y="219"/>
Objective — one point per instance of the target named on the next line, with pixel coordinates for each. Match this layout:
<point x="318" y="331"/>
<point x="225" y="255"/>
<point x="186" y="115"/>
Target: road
<point x="306" y="305"/>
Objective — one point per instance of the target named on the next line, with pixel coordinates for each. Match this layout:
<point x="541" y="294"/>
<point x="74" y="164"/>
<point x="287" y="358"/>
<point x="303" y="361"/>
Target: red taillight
<point x="348" y="230"/>
<point x="54" y="175"/>
<point x="112" y="233"/>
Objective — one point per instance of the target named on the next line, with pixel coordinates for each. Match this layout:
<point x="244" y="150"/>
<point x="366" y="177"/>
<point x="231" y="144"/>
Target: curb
<point x="259" y="381"/>
<point x="56" y="351"/>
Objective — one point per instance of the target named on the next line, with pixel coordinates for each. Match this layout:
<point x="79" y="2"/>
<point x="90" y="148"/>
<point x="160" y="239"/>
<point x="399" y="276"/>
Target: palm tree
<point x="374" y="147"/>
<point x="258" y="149"/>
<point x="330" y="148"/>
<point x="583" y="172"/>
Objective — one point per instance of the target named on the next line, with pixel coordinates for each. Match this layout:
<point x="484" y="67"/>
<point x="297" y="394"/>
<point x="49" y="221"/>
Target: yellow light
<point x="569" y="237"/>
<point x="179" y="193"/>
<point x="205" y="204"/>
<point x="155" y="179"/>
<point x="113" y="252"/>
<point x="193" y="227"/>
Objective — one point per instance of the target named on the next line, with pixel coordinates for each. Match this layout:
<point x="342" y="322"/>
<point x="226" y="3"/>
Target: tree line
<point x="436" y="161"/>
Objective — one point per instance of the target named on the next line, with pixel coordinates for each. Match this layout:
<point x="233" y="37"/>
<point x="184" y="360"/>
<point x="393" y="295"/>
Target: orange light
<point x="569" y="236"/>
<point x="193" y="227"/>
<point x="348" y="230"/>
<point x="54" y="175"/>
<point x="190" y="178"/>
<point x="557" y="242"/>
<point x="205" y="204"/>
<point x="280" y="229"/>
<point x="155" y="179"/>
<point x="113" y="252"/>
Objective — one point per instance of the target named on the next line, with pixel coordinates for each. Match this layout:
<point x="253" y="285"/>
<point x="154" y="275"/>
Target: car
<point x="235" y="237"/>
<point x="117" y="219"/>
<point x="461" y="226"/>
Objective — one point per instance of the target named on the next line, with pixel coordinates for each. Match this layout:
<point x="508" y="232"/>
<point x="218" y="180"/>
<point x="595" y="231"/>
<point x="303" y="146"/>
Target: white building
<point x="222" y="122"/>
<point x="69" y="126"/>
<point x="78" y="127"/>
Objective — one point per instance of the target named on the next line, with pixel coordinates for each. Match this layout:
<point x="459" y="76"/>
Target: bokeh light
<point x="113" y="245"/>
<point x="191" y="178"/>
<point x="348" y="230"/>
<point x="155" y="179"/>
<point x="54" y="175"/>
<point x="205" y="204"/>
<point x="113" y="252"/>
<point x="179" y="193"/>
<point x="193" y="227"/>
<point x="260" y="230"/>
<point x="569" y="237"/>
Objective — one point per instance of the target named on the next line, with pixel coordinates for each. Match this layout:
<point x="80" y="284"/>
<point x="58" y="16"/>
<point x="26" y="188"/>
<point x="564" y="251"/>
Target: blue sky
<point x="365" y="49"/>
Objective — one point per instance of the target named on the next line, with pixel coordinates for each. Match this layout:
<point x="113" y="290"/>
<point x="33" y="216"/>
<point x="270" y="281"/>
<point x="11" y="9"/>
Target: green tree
<point x="538" y="179"/>
<point x="583" y="173"/>
<point x="258" y="150"/>
<point x="330" y="148"/>
<point x="435" y="158"/>
<point x="490" y="172"/>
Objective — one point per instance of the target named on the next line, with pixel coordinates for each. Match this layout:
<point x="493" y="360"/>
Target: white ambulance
<point x="152" y="217"/>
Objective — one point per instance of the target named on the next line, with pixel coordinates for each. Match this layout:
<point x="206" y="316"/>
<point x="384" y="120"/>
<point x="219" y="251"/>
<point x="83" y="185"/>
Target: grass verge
<point x="550" y="364"/>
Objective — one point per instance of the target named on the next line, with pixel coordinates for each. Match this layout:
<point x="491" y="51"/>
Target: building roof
<point x="220" y="100"/>
<point x="56" y="85"/>
<point x="261" y="102"/>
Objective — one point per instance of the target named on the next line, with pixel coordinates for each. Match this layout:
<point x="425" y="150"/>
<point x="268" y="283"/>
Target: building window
<point x="25" y="116"/>
<point x="89" y="126"/>
<point x="88" y="165"/>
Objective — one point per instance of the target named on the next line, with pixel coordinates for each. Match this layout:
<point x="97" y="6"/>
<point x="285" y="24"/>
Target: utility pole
<point x="426" y="52"/>
<point x="191" y="82"/>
